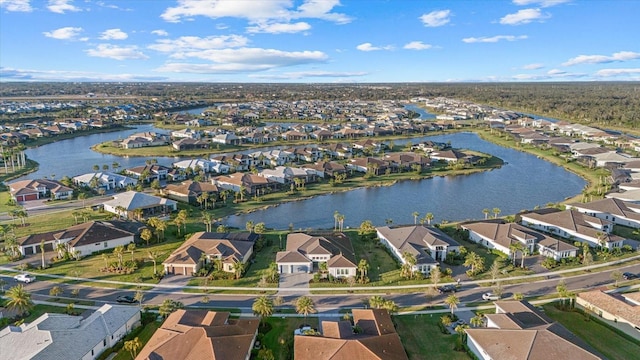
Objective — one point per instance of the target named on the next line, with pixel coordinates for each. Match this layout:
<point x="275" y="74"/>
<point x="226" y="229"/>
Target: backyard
<point x="421" y="335"/>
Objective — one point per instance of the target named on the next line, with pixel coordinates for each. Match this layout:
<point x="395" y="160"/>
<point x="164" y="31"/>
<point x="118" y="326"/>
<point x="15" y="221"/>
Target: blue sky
<point x="320" y="40"/>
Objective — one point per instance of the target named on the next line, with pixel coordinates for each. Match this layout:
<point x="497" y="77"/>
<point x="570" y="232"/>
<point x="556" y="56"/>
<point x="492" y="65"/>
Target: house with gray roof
<point x="67" y="337"/>
<point x="427" y="244"/>
<point x="305" y="250"/>
<point x="125" y="205"/>
<point x="105" y="180"/>
<point x="610" y="209"/>
<point x="574" y="225"/>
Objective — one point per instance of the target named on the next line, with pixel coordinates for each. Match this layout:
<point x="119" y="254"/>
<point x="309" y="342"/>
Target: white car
<point x="490" y="296"/>
<point x="25" y="278"/>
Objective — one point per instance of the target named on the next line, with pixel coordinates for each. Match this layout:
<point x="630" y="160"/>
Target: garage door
<point x="284" y="269"/>
<point x="301" y="268"/>
<point x="28" y="250"/>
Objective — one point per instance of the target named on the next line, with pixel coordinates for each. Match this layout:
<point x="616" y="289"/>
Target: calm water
<point x="524" y="182"/>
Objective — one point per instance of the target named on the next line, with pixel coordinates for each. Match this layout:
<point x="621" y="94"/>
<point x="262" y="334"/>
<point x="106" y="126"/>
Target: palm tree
<point x="19" y="299"/>
<point x="132" y="346"/>
<point x="263" y="307"/>
<point x="304" y="306"/>
<point x="616" y="275"/>
<point x="137" y="213"/>
<point x="428" y="217"/>
<point x="132" y="248"/>
<point x="154" y="256"/>
<point x="475" y="262"/>
<point x="146" y="235"/>
<point x="83" y="197"/>
<point x="363" y="267"/>
<point x="415" y="217"/>
<point x="335" y="220"/>
<point x="207" y="219"/>
<point x="514" y="248"/>
<point x="44" y="265"/>
<point x="249" y="226"/>
<point x="118" y="251"/>
<point x="485" y="211"/>
<point x="105" y="257"/>
<point x="409" y="262"/>
<point x="340" y="222"/>
<point x="453" y="301"/>
<point x="239" y="268"/>
<point x="435" y="275"/>
<point x="496" y="212"/>
<point x="477" y="320"/>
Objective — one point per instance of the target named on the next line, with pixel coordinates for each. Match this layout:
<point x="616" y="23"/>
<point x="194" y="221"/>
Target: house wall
<point x="603" y="313"/>
<point x="544" y="251"/>
<point x="110" y="244"/>
<point x="476" y="349"/>
<point x="342" y="272"/>
<point x="562" y="232"/>
<point x="489" y="243"/>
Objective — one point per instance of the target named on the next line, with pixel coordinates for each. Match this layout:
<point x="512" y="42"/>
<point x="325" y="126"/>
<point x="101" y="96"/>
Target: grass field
<point x="279" y="337"/>
<point x="422" y="338"/>
<point x="611" y="344"/>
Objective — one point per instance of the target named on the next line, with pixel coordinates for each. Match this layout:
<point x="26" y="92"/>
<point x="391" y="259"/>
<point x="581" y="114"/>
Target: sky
<point x="319" y="41"/>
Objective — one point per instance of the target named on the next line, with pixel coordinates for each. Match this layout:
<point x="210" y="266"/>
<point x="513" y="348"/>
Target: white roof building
<point x="123" y="204"/>
<point x="66" y="337"/>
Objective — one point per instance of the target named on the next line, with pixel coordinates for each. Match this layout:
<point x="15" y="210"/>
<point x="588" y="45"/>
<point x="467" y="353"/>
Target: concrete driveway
<point x="294" y="284"/>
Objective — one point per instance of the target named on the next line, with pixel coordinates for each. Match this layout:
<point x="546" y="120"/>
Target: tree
<point x="486" y="212"/>
<point x="616" y="276"/>
<point x="407" y="267"/>
<point x="562" y="290"/>
<point x="238" y="269"/>
<point x="363" y="268"/>
<point x="55" y="291"/>
<point x="435" y="275"/>
<point x="453" y="301"/>
<point x="105" y="257"/>
<point x="259" y="228"/>
<point x="366" y="228"/>
<point x="335" y="220"/>
<point x="118" y="251"/>
<point x="249" y="226"/>
<point x="496" y="212"/>
<point x="207" y="219"/>
<point x="168" y="306"/>
<point x="514" y="247"/>
<point x="415" y="217"/>
<point x="475" y="262"/>
<point x="83" y="197"/>
<point x="428" y="217"/>
<point x="477" y="320"/>
<point x="44" y="265"/>
<point x="340" y="222"/>
<point x="132" y="346"/>
<point x="154" y="256"/>
<point x="266" y="354"/>
<point x="304" y="306"/>
<point x="139" y="296"/>
<point x="376" y="301"/>
<point x="263" y="307"/>
<point x="132" y="248"/>
<point x="446" y="320"/>
<point x="495" y="269"/>
<point x="146" y="235"/>
<point x="19" y="299"/>
<point x="587" y="259"/>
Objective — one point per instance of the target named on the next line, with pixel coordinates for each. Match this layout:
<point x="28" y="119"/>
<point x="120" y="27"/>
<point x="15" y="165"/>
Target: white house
<point x="63" y="337"/>
<point x="303" y="251"/>
<point x="125" y="205"/>
<point x="610" y="209"/>
<point x="105" y="180"/>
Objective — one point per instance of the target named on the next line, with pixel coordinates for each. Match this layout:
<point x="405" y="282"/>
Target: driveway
<point x="294" y="284"/>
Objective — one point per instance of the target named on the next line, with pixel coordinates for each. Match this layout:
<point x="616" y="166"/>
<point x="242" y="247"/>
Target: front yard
<point x="423" y="339"/>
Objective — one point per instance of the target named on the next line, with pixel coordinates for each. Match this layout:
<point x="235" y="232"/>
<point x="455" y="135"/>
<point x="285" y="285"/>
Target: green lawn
<point x="600" y="336"/>
<point x="279" y="337"/>
<point x="144" y="336"/>
<point x="422" y="338"/>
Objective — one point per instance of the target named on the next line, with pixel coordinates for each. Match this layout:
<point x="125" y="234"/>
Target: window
<point x="105" y="244"/>
<point x="104" y="342"/>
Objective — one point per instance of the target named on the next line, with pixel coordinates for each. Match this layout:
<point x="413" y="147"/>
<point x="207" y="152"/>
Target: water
<point x="522" y="183"/>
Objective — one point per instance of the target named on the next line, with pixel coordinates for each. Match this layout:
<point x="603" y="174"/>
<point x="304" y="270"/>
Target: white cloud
<point x="533" y="66"/>
<point x="550" y="75"/>
<point x="494" y="39"/>
<point x="16" y="5"/>
<point x="113" y="34"/>
<point x="524" y="16"/>
<point x="160" y="32"/>
<point x="61" y="75"/>
<point x="417" y="45"/>
<point x="254" y="11"/>
<point x="542" y="3"/>
<point x="601" y="59"/>
<point x="308" y="74"/>
<point x="65" y="33"/>
<point x="117" y="52"/>
<point x="62" y="6"/>
<point x="370" y="47"/>
<point x="436" y="18"/>
<point x="617" y="72"/>
<point x="195" y="43"/>
<point x="278" y="28"/>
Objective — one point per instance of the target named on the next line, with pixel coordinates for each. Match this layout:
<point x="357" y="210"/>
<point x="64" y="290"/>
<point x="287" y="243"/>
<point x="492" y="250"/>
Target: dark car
<point x="126" y="299"/>
<point x="446" y="289"/>
<point x="629" y="276"/>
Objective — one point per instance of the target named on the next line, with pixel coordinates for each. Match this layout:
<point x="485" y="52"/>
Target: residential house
<point x="303" y="251"/>
<point x="377" y="166"/>
<point x="126" y="205"/>
<point x="149" y="173"/>
<point x="251" y="184"/>
<point x="202" y="334"/>
<point x="495" y="234"/>
<point x="520" y="331"/>
<point x="189" y="191"/>
<point x="27" y="190"/>
<point x="228" y="138"/>
<point x="196" y="165"/>
<point x="610" y="209"/>
<point x="406" y="161"/>
<point x="426" y="243"/>
<point x="61" y="336"/>
<point x="621" y="308"/>
<point x="449" y="155"/>
<point x="84" y="239"/>
<point x="104" y="180"/>
<point x="190" y="144"/>
<point x="207" y="247"/>
<point x="328" y="169"/>
<point x="575" y="226"/>
<point x="144" y="139"/>
<point x="287" y="175"/>
<point x="187" y="133"/>
<point x="376" y="339"/>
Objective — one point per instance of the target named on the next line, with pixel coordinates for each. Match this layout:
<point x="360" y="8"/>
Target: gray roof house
<point x="303" y="250"/>
<point x="66" y="337"/>
<point x="420" y="241"/>
<point x="132" y="200"/>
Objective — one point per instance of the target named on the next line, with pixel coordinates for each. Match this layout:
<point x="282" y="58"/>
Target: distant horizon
<point x="319" y="41"/>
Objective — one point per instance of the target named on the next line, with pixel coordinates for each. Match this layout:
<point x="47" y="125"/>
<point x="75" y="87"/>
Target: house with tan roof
<point x="610" y="209"/>
<point x="27" y="190"/>
<point x="375" y="339"/>
<point x="426" y="243"/>
<point x="208" y="247"/>
<point x="200" y="335"/>
<point x="251" y="183"/>
<point x="520" y="331"/>
<point x="575" y="226"/>
<point x="86" y="238"/>
<point x="621" y="308"/>
<point x="188" y="191"/>
<point x="303" y="251"/>
<point x="496" y="234"/>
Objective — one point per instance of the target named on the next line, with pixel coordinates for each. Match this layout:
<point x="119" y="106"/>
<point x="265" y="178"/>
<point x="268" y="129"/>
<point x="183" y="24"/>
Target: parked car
<point x="629" y="276"/>
<point x="126" y="299"/>
<point x="25" y="278"/>
<point x="490" y="296"/>
<point x="446" y="289"/>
